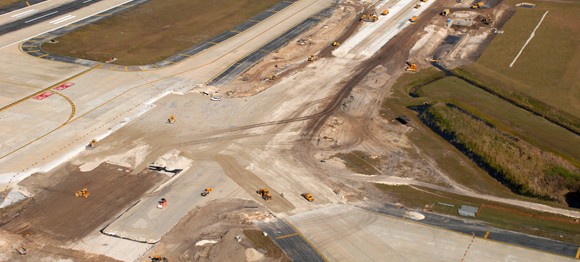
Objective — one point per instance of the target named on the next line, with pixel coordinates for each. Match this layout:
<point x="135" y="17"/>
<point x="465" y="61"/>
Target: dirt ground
<point x="208" y="234"/>
<point x="140" y="35"/>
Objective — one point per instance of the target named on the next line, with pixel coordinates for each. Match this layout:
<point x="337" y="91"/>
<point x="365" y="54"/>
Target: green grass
<point x="507" y="117"/>
<point x="496" y="214"/>
<point x="360" y="162"/>
<point x="547" y="70"/>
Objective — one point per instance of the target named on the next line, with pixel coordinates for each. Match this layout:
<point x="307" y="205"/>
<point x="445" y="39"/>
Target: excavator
<point x="307" y="196"/>
<point x="477" y="5"/>
<point x="411" y="67"/>
<point x="82" y="193"/>
<point x="265" y="193"/>
<point x="206" y="191"/>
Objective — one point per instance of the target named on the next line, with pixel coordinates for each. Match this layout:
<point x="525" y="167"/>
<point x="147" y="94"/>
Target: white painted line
<point x="529" y="39"/>
<point x="40" y="17"/>
<point x="62" y="19"/>
<point x="98" y="12"/>
<point x="24" y="13"/>
<point x="87" y="1"/>
<point x="26" y="7"/>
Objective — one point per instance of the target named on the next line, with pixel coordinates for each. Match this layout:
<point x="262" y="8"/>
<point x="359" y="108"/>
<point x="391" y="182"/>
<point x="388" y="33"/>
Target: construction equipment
<point x="487" y="20"/>
<point x="21" y="251"/>
<point x="92" y="144"/>
<point x="162" y="203"/>
<point x="417" y="6"/>
<point x="206" y="191"/>
<point x="477" y="5"/>
<point x="385" y="12"/>
<point x="424" y="1"/>
<point x="265" y="193"/>
<point x="82" y="193"/>
<point x="369" y="17"/>
<point x="412" y="67"/>
<point x="312" y="58"/>
<point x="445" y="12"/>
<point x="307" y="196"/>
<point x="158" y="259"/>
<point x="336" y="44"/>
<point x="171" y="119"/>
<point x="413" y="19"/>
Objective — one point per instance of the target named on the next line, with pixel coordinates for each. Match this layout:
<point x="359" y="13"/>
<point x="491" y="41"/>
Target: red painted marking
<point x="43" y="96"/>
<point x="64" y="86"/>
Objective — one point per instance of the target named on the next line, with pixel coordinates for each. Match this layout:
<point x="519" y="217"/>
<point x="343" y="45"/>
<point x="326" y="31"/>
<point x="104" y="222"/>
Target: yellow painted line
<point x="34" y="50"/>
<point x="578" y="254"/>
<point x="44" y="55"/>
<point x="126" y="68"/>
<point x="285" y="236"/>
<point x="72" y="106"/>
<point x="213" y="43"/>
<point x="27" y="3"/>
<point x="254" y="21"/>
<point x="486" y="235"/>
<point x="185" y="55"/>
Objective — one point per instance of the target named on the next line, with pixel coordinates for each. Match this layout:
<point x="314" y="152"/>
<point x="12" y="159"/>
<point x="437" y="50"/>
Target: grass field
<point x="497" y="215"/>
<point x="155" y="30"/>
<point x="547" y="69"/>
<point x="361" y="162"/>
<point x="5" y="3"/>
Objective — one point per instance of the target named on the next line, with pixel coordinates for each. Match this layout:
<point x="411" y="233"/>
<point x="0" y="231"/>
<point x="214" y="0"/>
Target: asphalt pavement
<point x="292" y="242"/>
<point x="19" y="5"/>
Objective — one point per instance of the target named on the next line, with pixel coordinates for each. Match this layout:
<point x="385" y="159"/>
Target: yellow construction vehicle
<point x="265" y="193"/>
<point x="312" y="58"/>
<point x="417" y="6"/>
<point x="385" y="12"/>
<point x="445" y="12"/>
<point x="271" y="77"/>
<point x="411" y="67"/>
<point x="158" y="259"/>
<point x="487" y="20"/>
<point x="206" y="191"/>
<point x="413" y="19"/>
<point x="82" y="193"/>
<point x="171" y="119"/>
<point x="424" y="1"/>
<point x="307" y="196"/>
<point x="369" y="18"/>
<point x="336" y="44"/>
<point x="477" y="5"/>
<point x="92" y="144"/>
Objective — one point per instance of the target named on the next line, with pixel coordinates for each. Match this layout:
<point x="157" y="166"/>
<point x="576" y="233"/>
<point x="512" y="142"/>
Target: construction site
<point x="299" y="130"/>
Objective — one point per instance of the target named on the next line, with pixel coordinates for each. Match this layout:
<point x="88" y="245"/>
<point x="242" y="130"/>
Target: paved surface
<point x="480" y="230"/>
<point x="293" y="244"/>
<point x="19" y="5"/>
<point x="346" y="233"/>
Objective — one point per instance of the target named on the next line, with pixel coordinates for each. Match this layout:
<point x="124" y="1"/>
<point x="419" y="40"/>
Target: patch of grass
<point x="265" y="244"/>
<point x="155" y="30"/>
<point x="360" y="162"/>
<point x="5" y="3"/>
<point x="545" y="77"/>
<point x="496" y="214"/>
<point x="524" y="168"/>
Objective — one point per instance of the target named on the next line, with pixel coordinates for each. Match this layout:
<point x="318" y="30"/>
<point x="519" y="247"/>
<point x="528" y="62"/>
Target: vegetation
<point x="361" y="162"/>
<point x="6" y="3"/>
<point x="526" y="169"/>
<point x="266" y="244"/>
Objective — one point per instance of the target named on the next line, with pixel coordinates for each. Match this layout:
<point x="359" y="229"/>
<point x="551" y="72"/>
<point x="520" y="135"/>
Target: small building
<point x="468" y="211"/>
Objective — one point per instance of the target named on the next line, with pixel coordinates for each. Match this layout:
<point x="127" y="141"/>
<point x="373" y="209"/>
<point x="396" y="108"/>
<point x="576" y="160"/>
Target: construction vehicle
<point x="369" y="17"/>
<point x="417" y="6"/>
<point x="312" y="58"/>
<point x="336" y="44"/>
<point x="411" y="67"/>
<point x="487" y="20"/>
<point x="171" y="119"/>
<point x="206" y="191"/>
<point x="385" y="12"/>
<point x="424" y="1"/>
<point x="477" y="5"/>
<point x="307" y="196"/>
<point x="265" y="193"/>
<point x="92" y="144"/>
<point x="162" y="203"/>
<point x="82" y="193"/>
<point x="445" y="12"/>
<point x="158" y="259"/>
<point x="413" y="19"/>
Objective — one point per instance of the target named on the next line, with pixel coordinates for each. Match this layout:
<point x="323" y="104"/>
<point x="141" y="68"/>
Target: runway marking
<point x="87" y="1"/>
<point x="254" y="21"/>
<point x="62" y="19"/>
<point x="42" y="16"/>
<point x="486" y="235"/>
<point x="285" y="236"/>
<point x="306" y="240"/>
<point x="529" y="39"/>
<point x="25" y="13"/>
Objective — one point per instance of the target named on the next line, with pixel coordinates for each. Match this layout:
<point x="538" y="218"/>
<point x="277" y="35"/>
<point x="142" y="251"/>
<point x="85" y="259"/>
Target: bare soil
<point x="155" y="30"/>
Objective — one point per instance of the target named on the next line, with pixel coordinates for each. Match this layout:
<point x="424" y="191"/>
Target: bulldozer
<point x="445" y="12"/>
<point x="411" y="67"/>
<point x="413" y="19"/>
<point x="171" y="119"/>
<point x="312" y="58"/>
<point x="82" y="193"/>
<point x="265" y="193"/>
<point x="335" y="44"/>
<point x="385" y="12"/>
<point x="477" y="5"/>
<point x="307" y="196"/>
<point x="206" y="191"/>
<point x="369" y="17"/>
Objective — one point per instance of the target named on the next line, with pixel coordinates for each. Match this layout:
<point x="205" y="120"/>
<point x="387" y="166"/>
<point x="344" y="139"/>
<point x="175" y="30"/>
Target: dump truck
<point x="82" y="193"/>
<point x="206" y="191"/>
<point x="413" y="19"/>
<point x="385" y="12"/>
<point x="265" y="193"/>
<point x="445" y="12"/>
<point x="307" y="196"/>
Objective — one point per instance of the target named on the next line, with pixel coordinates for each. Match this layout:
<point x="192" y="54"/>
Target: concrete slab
<point x="346" y="233"/>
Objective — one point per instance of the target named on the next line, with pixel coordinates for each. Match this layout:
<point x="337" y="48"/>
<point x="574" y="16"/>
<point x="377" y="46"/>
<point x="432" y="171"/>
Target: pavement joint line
<point x="305" y="239"/>
<point x="285" y="236"/>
